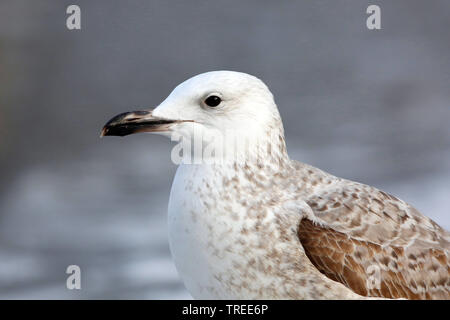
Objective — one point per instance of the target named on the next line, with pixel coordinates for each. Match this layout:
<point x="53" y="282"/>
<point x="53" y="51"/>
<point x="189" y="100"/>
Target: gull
<point x="254" y="224"/>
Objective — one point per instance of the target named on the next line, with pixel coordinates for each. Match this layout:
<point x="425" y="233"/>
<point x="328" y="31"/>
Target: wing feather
<point x="375" y="244"/>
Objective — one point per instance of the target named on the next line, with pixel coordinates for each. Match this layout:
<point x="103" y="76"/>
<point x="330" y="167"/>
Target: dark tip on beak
<point x="134" y="122"/>
<point x="116" y="126"/>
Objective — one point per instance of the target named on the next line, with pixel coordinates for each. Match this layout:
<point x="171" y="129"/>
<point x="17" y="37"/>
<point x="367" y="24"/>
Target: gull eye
<point x="213" y="101"/>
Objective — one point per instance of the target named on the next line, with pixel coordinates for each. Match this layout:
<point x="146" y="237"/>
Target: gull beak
<point x="134" y="122"/>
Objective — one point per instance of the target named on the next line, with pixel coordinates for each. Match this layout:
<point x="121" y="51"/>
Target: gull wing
<point x="376" y="244"/>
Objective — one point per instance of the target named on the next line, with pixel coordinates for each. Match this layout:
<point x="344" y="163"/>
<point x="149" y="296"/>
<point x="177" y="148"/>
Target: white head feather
<point x="247" y="111"/>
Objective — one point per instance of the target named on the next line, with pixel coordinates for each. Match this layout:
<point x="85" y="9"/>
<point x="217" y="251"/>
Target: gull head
<point x="232" y="105"/>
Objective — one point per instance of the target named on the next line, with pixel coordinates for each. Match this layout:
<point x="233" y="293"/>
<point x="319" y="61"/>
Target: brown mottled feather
<point x="349" y="262"/>
<point x="374" y="243"/>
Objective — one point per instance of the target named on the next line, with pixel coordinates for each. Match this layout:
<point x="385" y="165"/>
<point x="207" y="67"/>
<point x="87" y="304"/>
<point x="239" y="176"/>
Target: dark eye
<point x="213" y="101"/>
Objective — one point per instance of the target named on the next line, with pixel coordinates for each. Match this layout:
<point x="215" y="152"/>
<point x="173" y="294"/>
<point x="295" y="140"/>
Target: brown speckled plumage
<point x="331" y="234"/>
<point x="358" y="228"/>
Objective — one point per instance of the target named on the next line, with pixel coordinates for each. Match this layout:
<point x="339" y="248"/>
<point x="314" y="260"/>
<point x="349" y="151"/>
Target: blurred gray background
<point x="371" y="106"/>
